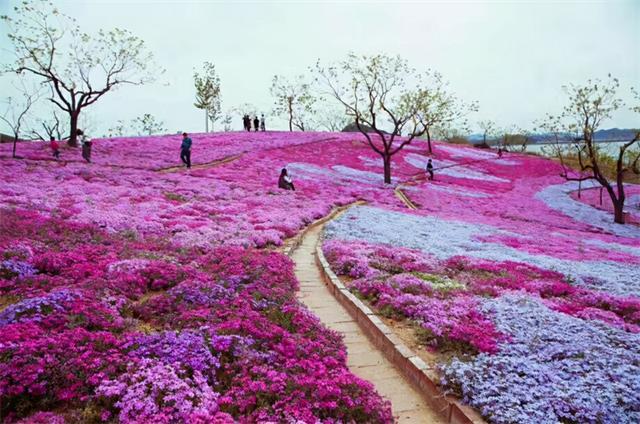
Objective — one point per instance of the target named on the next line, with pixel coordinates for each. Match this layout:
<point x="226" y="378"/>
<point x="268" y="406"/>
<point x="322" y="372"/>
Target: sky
<point x="512" y="57"/>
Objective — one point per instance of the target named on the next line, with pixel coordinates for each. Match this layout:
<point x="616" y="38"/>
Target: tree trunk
<point x="429" y="140"/>
<point x="73" y="128"/>
<point x="290" y="117"/>
<point x="206" y="121"/>
<point x="387" y="168"/>
<point x="618" y="212"/>
<point x="15" y="142"/>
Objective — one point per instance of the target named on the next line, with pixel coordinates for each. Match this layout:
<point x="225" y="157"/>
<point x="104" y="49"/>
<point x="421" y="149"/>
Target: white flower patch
<point x="445" y="239"/>
<point x="558" y="197"/>
<point x="337" y="174"/>
<point x="452" y="169"/>
<point x="374" y="162"/>
<point x="467" y="152"/>
<point x="416" y="146"/>
<point x="447" y="189"/>
<point x="360" y="176"/>
<point x="473" y="153"/>
<point x="420" y="162"/>
<point x="618" y="247"/>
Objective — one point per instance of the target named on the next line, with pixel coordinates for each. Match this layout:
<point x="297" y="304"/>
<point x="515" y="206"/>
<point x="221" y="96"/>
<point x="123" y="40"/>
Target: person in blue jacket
<point x="185" y="150"/>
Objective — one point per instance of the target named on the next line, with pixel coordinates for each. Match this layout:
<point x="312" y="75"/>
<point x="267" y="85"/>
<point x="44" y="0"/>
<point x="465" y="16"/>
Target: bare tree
<point x="120" y="129"/>
<point x="207" y="86"/>
<point x="47" y="128"/>
<point x="332" y="120"/>
<point x="226" y="122"/>
<point x="80" y="68"/>
<point x="17" y="112"/>
<point x="373" y="90"/>
<point x="147" y="125"/>
<point x="489" y="131"/>
<point x="573" y="132"/>
<point x="440" y="108"/>
<point x="294" y="100"/>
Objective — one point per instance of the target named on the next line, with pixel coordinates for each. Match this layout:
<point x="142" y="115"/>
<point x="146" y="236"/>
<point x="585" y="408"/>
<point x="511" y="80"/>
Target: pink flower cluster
<point x="113" y="328"/>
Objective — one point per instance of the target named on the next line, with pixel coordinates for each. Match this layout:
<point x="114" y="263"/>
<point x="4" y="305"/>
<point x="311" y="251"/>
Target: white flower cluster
<point x="558" y="197"/>
<point x="445" y="239"/>
<point x="452" y="169"/>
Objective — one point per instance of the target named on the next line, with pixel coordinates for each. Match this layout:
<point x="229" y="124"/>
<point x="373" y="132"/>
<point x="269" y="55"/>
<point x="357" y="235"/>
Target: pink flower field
<point x="134" y="290"/>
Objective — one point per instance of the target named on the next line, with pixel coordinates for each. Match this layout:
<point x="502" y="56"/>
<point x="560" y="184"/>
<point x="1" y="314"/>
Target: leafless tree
<point x="489" y="131"/>
<point x="46" y="128"/>
<point x="439" y="108"/>
<point x="17" y="112"/>
<point x="294" y="100"/>
<point x="80" y="68"/>
<point x="573" y="132"/>
<point x="374" y="92"/>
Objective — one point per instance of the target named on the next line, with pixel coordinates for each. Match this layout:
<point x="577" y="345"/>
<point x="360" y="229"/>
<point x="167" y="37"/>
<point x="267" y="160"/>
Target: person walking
<point x="430" y="169"/>
<point x="256" y="123"/>
<point x="185" y="150"/>
<point x="86" y="145"/>
<point x="55" y="147"/>
<point x="247" y="122"/>
<point x="285" y="182"/>
<point x="262" y="125"/>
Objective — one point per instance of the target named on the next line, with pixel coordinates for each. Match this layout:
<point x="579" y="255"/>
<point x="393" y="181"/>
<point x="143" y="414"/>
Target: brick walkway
<point x="363" y="359"/>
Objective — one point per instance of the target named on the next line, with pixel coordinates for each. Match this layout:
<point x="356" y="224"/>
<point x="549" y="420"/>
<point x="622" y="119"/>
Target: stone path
<point x="363" y="359"/>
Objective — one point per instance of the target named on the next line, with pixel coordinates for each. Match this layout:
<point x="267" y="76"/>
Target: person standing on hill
<point x="185" y="150"/>
<point x="86" y="145"/>
<point x="430" y="170"/>
<point x="256" y="123"/>
<point x="262" y="125"/>
<point x="55" y="147"/>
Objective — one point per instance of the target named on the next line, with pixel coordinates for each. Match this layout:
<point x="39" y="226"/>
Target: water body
<point x="611" y="147"/>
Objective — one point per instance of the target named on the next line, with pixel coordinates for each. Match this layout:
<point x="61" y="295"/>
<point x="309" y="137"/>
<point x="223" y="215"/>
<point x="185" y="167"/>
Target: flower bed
<point x="439" y="275"/>
<point x="107" y="328"/>
<point x="132" y="295"/>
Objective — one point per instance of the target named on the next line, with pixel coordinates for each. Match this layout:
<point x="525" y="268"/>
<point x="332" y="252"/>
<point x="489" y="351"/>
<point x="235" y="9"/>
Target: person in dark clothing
<point x="86" y="145"/>
<point x="262" y="124"/>
<point x="247" y="122"/>
<point x="256" y="123"/>
<point x="500" y="152"/>
<point x="430" y="169"/>
<point x="185" y="150"/>
<point x="55" y="147"/>
<point x="285" y="182"/>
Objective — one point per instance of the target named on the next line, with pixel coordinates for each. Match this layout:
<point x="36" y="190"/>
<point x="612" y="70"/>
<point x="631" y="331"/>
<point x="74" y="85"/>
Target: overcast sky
<point x="512" y="57"/>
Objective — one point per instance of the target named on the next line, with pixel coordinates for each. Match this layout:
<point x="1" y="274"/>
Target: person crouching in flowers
<point x="285" y="182"/>
<point x="86" y="145"/>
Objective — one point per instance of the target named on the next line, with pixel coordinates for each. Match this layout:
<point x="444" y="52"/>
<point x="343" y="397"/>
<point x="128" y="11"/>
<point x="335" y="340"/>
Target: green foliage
<point x="440" y="283"/>
<point x="207" y="85"/>
<point x="293" y="99"/>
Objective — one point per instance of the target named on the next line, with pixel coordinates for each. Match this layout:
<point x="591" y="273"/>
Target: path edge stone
<point x="410" y="365"/>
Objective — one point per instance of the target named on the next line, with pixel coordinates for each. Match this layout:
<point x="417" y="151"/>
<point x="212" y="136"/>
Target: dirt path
<point x="364" y="359"/>
<point x="212" y="164"/>
<point x="404" y="199"/>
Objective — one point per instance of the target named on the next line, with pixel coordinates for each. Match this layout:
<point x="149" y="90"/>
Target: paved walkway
<point x="363" y="359"/>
